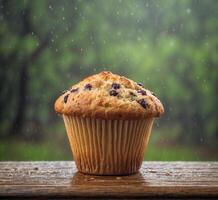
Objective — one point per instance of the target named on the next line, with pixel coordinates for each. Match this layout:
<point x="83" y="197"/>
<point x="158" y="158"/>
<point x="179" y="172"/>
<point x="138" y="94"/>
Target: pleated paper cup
<point x="108" y="147"/>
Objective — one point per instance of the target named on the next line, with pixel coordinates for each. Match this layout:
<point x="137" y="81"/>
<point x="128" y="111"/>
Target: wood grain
<point x="155" y="180"/>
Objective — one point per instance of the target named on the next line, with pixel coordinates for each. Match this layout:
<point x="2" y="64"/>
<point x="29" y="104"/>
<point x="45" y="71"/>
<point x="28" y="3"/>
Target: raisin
<point x="115" y="86"/>
<point x="65" y="98"/>
<point x="113" y="93"/>
<point x="143" y="103"/>
<point x="88" y="86"/>
<point x="142" y="92"/>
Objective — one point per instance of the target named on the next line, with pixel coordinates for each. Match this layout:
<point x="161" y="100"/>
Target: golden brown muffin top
<point x="109" y="96"/>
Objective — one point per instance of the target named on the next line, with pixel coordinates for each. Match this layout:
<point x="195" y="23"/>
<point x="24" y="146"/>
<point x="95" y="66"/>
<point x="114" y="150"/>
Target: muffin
<point x="108" y="119"/>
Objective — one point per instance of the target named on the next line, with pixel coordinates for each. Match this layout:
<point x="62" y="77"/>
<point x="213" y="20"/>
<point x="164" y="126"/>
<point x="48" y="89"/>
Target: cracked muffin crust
<point x="109" y="96"/>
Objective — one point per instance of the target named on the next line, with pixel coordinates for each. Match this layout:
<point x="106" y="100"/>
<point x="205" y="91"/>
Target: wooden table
<point x="156" y="180"/>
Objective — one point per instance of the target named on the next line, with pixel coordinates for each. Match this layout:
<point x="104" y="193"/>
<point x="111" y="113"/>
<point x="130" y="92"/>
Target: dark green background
<point x="170" y="46"/>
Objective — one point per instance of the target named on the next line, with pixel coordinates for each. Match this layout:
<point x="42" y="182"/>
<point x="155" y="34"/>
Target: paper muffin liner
<point x="108" y="147"/>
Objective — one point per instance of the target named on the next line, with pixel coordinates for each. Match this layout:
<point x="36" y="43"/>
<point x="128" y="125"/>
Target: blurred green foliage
<point x="171" y="46"/>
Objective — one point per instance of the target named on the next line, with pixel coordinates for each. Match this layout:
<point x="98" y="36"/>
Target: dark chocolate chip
<point x="74" y="89"/>
<point x="142" y="92"/>
<point x="65" y="98"/>
<point x="88" y="86"/>
<point x="113" y="93"/>
<point x="143" y="103"/>
<point x="115" y="86"/>
<point x="141" y="84"/>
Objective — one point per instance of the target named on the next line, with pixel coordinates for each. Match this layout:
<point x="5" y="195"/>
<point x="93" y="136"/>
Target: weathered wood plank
<point x="155" y="179"/>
